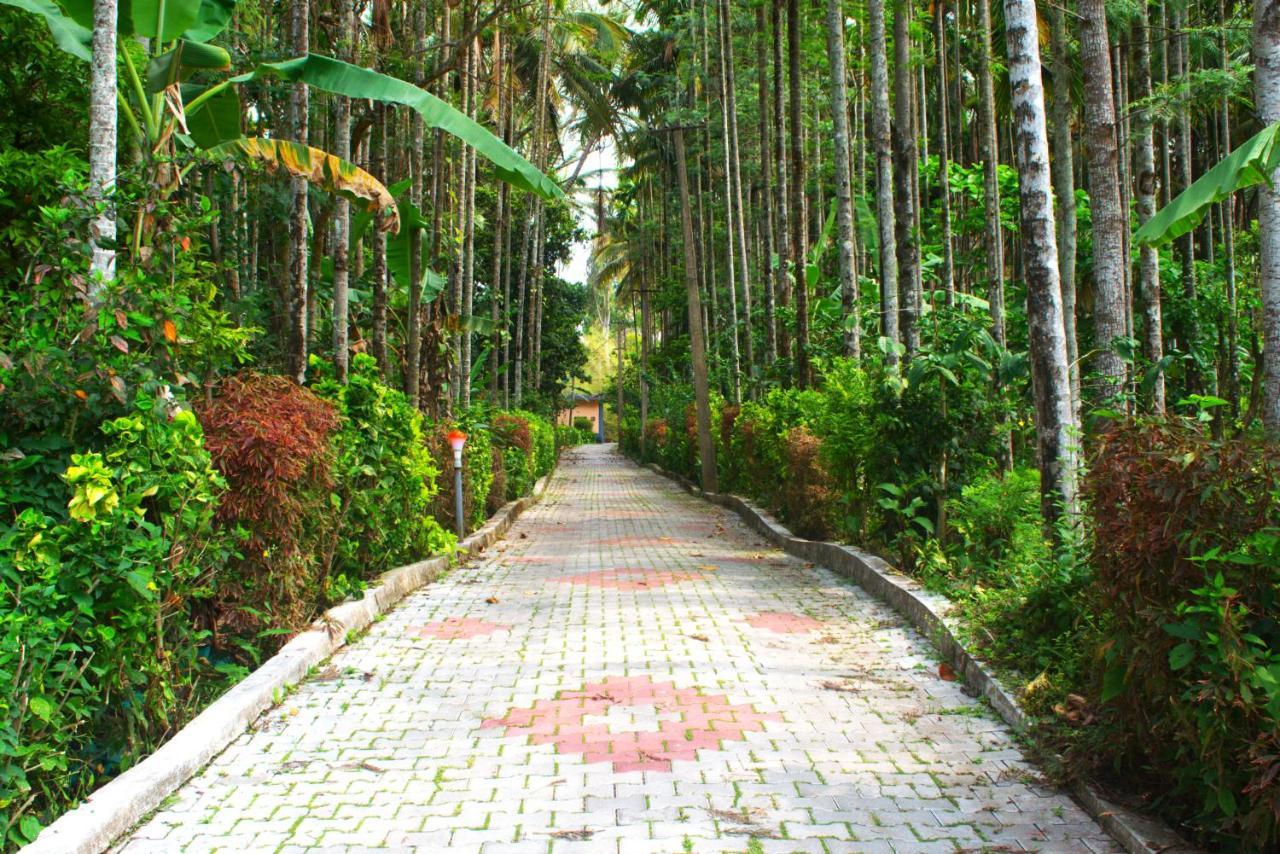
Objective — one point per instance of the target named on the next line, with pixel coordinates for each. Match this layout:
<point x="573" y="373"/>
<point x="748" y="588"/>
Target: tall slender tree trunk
<point x="783" y="195"/>
<point x="417" y="139"/>
<point x="881" y="143"/>
<point x="797" y="197"/>
<point x="1266" y="60"/>
<point x="496" y="306"/>
<point x="299" y="104"/>
<point x="735" y="376"/>
<point x="102" y="146"/>
<point x="1051" y="380"/>
<point x="472" y="66"/>
<point x="989" y="151"/>
<point x="944" y="145"/>
<point x="697" y="348"/>
<point x="1109" y="222"/>
<point x="904" y="153"/>
<point x="1190" y="331"/>
<point x="769" y="271"/>
<point x="1228" y="241"/>
<point x="380" y="250"/>
<point x="844" y="189"/>
<point x="342" y="208"/>
<point x="736" y="161"/>
<point x="1064" y="189"/>
<point x="1144" y="173"/>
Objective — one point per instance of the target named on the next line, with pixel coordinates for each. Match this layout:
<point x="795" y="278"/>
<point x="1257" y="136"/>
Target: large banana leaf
<point x="1252" y="163"/>
<point x="218" y="118"/>
<point x="400" y="254"/>
<point x="319" y="168"/>
<point x="164" y="19"/>
<point x="183" y="60"/>
<point x="213" y="19"/>
<point x="68" y="34"/>
<point x="342" y="78"/>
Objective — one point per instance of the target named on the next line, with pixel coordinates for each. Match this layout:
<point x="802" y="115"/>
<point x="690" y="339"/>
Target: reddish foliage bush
<point x="270" y="439"/>
<point x="655" y="432"/>
<point x="808" y="496"/>
<point x="1173" y="511"/>
<point x="511" y="431"/>
<point x="728" y="415"/>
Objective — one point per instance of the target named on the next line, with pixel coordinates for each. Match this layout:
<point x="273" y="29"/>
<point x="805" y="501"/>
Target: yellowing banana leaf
<point x="1253" y="162"/>
<point x="342" y="78"/>
<point x="67" y="33"/>
<point x="182" y="61"/>
<point x="318" y="168"/>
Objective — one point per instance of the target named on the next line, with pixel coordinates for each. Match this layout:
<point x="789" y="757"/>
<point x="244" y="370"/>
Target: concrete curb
<point x="119" y="805"/>
<point x="1136" y="833"/>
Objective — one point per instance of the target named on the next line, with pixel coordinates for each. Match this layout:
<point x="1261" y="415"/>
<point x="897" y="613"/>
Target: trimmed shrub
<point x="807" y="492"/>
<point x="384" y="479"/>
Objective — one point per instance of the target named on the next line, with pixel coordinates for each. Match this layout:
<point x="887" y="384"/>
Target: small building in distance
<point x="580" y="405"/>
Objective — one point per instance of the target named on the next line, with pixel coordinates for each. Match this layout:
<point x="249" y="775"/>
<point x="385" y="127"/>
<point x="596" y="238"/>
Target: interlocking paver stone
<point x="632" y="669"/>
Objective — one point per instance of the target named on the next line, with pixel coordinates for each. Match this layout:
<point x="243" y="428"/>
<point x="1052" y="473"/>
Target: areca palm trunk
<point x="880" y="136"/>
<point x="844" y="191"/>
<point x="103" y="145"/>
<point x="735" y="376"/>
<point x="1109" y="222"/>
<point x="1064" y="189"/>
<point x="768" y="270"/>
<point x="1266" y="59"/>
<point x="736" y="162"/>
<point x="380" y="250"/>
<point x="944" y="173"/>
<point x="989" y="152"/>
<point x="342" y="208"/>
<point x="299" y="104"/>
<point x="1144" y="168"/>
<point x="780" y="169"/>
<point x="1051" y="381"/>
<point x="904" y="153"/>
<point x="697" y="348"/>
<point x="797" y="197"/>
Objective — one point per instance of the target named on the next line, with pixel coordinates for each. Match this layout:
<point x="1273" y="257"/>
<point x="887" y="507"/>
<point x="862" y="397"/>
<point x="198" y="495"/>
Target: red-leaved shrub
<point x="511" y="431"/>
<point x="1186" y="532"/>
<point x="270" y="439"/>
<point x="808" y="496"/>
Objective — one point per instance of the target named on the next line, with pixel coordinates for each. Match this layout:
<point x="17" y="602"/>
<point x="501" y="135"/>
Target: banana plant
<point x="178" y="90"/>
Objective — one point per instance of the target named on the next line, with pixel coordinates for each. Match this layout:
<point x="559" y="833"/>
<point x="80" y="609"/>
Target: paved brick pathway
<point x="632" y="670"/>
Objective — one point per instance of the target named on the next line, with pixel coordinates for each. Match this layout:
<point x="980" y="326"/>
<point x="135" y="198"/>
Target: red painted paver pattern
<point x="455" y="628"/>
<point x="637" y="578"/>
<point x="783" y="623"/>
<point x="659" y="723"/>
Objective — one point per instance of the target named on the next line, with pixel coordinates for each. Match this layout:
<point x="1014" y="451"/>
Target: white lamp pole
<point x="457" y="441"/>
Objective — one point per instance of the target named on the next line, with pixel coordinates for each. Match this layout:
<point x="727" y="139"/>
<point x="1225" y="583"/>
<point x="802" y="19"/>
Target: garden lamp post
<point x="458" y="440"/>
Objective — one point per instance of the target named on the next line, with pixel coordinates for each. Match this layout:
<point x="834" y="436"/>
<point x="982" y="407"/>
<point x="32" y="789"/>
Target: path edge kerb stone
<point x="1137" y="833"/>
<point x="117" y="807"/>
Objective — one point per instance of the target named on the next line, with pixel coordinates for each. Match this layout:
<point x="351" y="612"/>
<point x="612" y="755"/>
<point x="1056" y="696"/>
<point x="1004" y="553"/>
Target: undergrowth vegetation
<point x="1141" y="635"/>
<point x="169" y="518"/>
